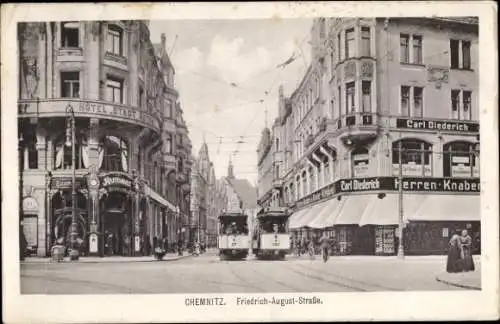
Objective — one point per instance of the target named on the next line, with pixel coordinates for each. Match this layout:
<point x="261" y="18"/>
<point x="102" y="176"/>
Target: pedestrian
<point x="311" y="248"/>
<point x="324" y="242"/>
<point x="454" y="260"/>
<point x="466" y="243"/>
<point x="302" y="245"/>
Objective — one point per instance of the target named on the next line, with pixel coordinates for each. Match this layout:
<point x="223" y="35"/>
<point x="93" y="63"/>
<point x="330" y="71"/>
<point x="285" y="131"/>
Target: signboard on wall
<point x="415" y="184"/>
<point x="438" y="125"/>
<point x="67" y="182"/>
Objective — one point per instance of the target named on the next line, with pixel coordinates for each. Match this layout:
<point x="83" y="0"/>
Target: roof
<point x="245" y="191"/>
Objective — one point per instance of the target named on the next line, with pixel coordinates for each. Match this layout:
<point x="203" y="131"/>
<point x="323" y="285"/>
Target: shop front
<point x="362" y="215"/>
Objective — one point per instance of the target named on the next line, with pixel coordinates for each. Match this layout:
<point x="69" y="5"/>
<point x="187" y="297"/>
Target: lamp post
<point x="70" y="140"/>
<point x="401" y="251"/>
<point x="22" y="239"/>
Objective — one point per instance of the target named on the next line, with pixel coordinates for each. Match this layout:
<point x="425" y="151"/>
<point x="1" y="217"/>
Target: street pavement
<point x="207" y="274"/>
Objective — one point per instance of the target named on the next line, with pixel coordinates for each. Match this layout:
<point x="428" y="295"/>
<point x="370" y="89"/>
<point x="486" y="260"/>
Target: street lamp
<point x="70" y="141"/>
<point x="401" y="251"/>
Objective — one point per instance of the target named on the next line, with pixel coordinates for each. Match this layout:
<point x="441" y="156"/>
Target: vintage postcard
<point x="235" y="162"/>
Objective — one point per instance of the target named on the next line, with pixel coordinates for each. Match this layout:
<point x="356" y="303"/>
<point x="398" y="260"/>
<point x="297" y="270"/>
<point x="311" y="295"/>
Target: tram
<point x="233" y="241"/>
<point x="271" y="235"/>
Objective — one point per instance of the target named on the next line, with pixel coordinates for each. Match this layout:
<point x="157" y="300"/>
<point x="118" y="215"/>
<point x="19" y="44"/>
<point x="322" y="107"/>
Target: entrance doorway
<point x="116" y="224"/>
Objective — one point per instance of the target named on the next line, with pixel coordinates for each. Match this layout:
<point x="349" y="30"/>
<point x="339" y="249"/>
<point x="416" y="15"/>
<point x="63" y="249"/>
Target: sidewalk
<point x="468" y="280"/>
<point x="113" y="259"/>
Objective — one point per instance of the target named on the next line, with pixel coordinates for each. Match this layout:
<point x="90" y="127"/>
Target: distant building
<point x="380" y="96"/>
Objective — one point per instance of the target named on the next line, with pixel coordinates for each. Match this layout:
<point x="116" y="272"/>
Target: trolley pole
<point x="401" y="253"/>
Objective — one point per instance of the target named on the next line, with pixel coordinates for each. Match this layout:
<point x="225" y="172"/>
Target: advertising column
<point x="93" y="184"/>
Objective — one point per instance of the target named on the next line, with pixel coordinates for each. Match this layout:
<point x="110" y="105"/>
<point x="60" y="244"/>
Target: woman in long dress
<point x="466" y="242"/>
<point x="454" y="261"/>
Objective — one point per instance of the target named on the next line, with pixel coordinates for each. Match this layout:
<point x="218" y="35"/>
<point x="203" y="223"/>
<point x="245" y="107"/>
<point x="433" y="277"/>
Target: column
<point x="25" y="159"/>
<point x="133" y="62"/>
<point x="49" y="155"/>
<point x="460" y="58"/>
<point x="41" y="227"/>
<point x="49" y="61"/>
<point x="41" y="155"/>
<point x="332" y="170"/>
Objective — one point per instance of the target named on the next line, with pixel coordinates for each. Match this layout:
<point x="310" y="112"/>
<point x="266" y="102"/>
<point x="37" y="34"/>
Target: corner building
<point x="383" y="94"/>
<point x="131" y="142"/>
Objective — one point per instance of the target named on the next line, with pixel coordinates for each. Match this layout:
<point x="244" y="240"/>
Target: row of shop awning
<point x="159" y="199"/>
<point x="371" y="210"/>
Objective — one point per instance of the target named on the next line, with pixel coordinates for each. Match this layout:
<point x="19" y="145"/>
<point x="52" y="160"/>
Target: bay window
<point x="367" y="96"/>
<point x="360" y="160"/>
<point x="349" y="43"/>
<point x="416" y="157"/>
<point x="350" y="98"/>
<point x="365" y="41"/>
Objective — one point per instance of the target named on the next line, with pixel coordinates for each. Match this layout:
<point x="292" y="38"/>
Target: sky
<point x="227" y="78"/>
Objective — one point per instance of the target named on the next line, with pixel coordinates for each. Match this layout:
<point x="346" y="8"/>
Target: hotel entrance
<point x="116" y="218"/>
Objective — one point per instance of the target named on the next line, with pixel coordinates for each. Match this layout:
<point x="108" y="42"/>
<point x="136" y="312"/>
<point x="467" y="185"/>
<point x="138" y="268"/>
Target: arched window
<point x="461" y="160"/>
<point x="311" y="180"/>
<point x="416" y="157"/>
<point x="63" y="152"/>
<point x="320" y="176"/>
<point x="360" y="159"/>
<point x="303" y="189"/>
<point x="113" y="154"/>
<point x="292" y="192"/>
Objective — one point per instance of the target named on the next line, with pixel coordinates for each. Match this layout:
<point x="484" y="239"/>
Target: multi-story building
<point x="384" y="103"/>
<point x="130" y="143"/>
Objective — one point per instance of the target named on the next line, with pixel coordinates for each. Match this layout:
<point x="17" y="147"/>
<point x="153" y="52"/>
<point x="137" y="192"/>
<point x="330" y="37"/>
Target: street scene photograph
<point x="283" y="155"/>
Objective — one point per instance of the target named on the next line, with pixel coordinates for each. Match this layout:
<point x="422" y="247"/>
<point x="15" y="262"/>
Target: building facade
<point x="385" y="103"/>
<point x="131" y="143"/>
<point x="204" y="210"/>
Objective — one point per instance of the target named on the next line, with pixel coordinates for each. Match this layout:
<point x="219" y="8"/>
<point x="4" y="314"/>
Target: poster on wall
<point x="413" y="169"/>
<point x="30" y="228"/>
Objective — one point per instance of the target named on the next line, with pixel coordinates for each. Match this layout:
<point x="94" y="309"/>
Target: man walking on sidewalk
<point x="324" y="242"/>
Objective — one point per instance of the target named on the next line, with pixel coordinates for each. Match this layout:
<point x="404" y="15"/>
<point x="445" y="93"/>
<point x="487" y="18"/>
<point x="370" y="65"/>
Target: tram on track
<point x="233" y="241"/>
<point x="271" y="235"/>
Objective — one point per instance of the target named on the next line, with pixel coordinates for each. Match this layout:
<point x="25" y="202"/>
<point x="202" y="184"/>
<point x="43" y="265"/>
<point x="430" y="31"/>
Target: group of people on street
<point x="308" y="246"/>
<point x="460" y="253"/>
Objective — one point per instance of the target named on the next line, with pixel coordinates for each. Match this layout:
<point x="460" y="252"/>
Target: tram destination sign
<point x="465" y="185"/>
<point x="438" y="125"/>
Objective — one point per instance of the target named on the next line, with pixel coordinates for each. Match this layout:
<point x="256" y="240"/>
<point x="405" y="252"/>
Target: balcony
<point x="116" y="61"/>
<point x="358" y="126"/>
<point x="46" y="108"/>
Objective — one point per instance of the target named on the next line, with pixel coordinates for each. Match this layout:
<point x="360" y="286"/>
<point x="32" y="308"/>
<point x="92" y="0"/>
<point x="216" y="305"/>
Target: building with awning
<point x="339" y="154"/>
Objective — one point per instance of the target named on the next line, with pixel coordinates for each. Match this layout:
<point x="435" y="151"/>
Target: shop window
<point x="365" y="41"/>
<point x="367" y="96"/>
<point x="114" y="90"/>
<point x="113" y="154"/>
<point x="70" y="84"/>
<point x="360" y="160"/>
<point x="416" y="157"/>
<point x="350" y="98"/>
<point x="460" y="160"/>
<point x="404" y="40"/>
<point x="70" y="34"/>
<point x="63" y="152"/>
<point x="349" y="43"/>
<point x="115" y="40"/>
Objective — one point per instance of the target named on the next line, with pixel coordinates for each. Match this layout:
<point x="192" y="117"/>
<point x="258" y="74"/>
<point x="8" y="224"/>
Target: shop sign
<point x="416" y="184"/>
<point x="437" y="125"/>
<point x="116" y="181"/>
<point x="67" y="182"/>
<point x="93" y="246"/>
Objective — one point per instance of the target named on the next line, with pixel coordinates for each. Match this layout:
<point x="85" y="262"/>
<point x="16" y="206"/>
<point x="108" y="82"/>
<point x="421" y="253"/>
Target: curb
<point x="459" y="285"/>
<point x="48" y="260"/>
